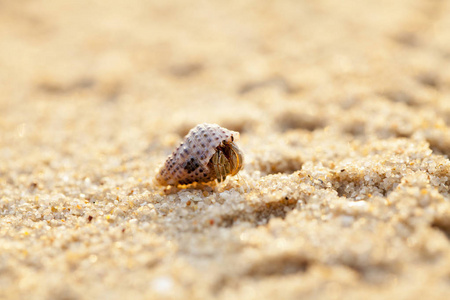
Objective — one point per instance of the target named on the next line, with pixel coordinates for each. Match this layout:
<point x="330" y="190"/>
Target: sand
<point x="344" y="113"/>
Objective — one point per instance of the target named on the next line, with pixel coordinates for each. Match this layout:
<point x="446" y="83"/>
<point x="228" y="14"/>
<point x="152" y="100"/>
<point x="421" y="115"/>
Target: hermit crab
<point x="208" y="153"/>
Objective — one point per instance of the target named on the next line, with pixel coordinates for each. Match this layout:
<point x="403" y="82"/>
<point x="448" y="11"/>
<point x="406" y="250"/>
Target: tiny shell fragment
<point x="192" y="160"/>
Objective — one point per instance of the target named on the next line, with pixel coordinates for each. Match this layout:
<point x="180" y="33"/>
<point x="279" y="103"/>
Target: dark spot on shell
<point x="191" y="165"/>
<point x="203" y="145"/>
<point x="209" y="140"/>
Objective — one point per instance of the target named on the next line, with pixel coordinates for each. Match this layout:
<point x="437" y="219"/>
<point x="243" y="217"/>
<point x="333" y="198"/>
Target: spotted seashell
<point x="193" y="160"/>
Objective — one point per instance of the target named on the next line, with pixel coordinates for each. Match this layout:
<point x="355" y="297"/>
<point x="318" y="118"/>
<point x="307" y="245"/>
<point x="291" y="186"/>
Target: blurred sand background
<point x="344" y="113"/>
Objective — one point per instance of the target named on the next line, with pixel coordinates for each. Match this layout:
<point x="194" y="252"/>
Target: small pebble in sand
<point x="208" y="153"/>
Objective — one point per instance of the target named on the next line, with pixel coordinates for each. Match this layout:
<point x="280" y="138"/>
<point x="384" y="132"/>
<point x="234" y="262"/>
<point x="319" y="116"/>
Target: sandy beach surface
<point x="343" y="109"/>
